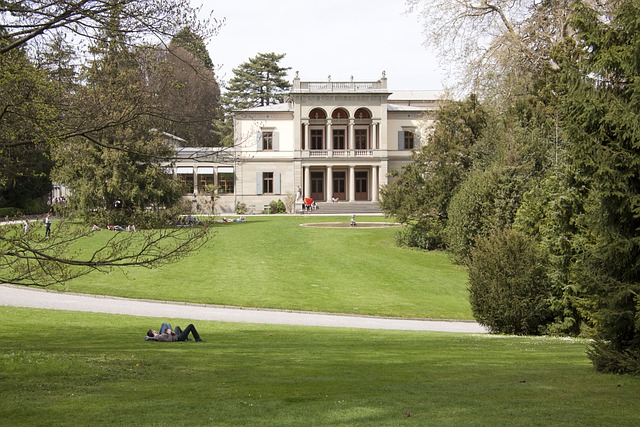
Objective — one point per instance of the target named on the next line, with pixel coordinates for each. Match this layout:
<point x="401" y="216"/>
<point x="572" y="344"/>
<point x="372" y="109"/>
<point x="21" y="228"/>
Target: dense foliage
<point x="550" y="206"/>
<point x="419" y="194"/>
<point x="28" y="114"/>
<point x="601" y="110"/>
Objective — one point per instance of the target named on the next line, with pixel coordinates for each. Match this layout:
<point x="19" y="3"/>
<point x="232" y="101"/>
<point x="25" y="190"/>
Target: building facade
<point x="333" y="142"/>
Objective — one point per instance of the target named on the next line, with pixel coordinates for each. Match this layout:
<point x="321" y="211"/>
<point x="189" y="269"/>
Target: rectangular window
<point x="225" y="183"/>
<point x="267" y="140"/>
<point x="409" y="140"/>
<point x="362" y="140"/>
<point x="205" y="183"/>
<point x="317" y="139"/>
<point x="186" y="180"/>
<point x="339" y="139"/>
<point x="267" y="183"/>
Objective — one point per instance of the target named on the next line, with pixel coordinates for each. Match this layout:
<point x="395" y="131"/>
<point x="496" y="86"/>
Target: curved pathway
<point x="18" y="296"/>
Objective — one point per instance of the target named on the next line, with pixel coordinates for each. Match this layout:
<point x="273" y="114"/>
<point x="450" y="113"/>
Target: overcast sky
<point x="341" y="38"/>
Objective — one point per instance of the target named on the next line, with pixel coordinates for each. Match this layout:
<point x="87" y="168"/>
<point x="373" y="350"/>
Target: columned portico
<point x="352" y="183"/>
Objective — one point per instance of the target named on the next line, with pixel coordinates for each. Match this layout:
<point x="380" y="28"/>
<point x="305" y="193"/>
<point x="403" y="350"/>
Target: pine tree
<point x="602" y="106"/>
<point x="259" y="82"/>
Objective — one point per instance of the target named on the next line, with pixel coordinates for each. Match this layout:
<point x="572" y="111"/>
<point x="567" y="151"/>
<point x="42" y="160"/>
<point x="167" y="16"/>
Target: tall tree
<point x="484" y="39"/>
<point x="26" y="112"/>
<point x="185" y="80"/>
<point x="601" y="107"/>
<point x="193" y="43"/>
<point x="120" y="175"/>
<point x="258" y="82"/>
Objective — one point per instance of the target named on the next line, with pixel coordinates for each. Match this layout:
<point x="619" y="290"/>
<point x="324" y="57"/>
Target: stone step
<point x="347" y="208"/>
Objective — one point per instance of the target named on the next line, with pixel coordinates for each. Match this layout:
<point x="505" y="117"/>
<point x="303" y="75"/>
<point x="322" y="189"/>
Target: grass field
<point x="78" y="369"/>
<point x="273" y="262"/>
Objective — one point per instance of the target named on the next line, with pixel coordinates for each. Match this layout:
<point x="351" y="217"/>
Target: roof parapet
<point x="349" y="86"/>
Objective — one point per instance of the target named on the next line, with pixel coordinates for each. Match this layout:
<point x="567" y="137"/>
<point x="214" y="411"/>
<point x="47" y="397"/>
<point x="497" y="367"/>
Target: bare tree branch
<point x="30" y="259"/>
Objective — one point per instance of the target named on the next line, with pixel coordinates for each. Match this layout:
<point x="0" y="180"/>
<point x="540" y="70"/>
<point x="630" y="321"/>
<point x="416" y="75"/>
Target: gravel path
<point x="18" y="296"/>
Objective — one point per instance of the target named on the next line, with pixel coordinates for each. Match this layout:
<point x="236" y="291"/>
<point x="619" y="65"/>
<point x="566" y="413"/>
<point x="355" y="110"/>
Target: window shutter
<point x="416" y="140"/>
<point x="258" y="141"/>
<point x="276" y="140"/>
<point x="276" y="183"/>
<point x="400" y="140"/>
<point x="258" y="182"/>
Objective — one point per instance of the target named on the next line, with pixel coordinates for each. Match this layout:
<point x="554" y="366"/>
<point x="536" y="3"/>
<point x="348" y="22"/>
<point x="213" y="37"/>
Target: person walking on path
<point x="47" y="226"/>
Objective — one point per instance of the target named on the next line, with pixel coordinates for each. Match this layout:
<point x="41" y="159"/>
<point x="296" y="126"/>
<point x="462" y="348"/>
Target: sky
<point x="337" y="38"/>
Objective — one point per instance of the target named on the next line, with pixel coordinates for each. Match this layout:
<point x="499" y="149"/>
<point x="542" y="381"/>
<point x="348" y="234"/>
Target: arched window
<point x="317" y="124"/>
<point x="340" y="120"/>
<point x="340" y="114"/>
<point x="317" y="114"/>
<point x="362" y="114"/>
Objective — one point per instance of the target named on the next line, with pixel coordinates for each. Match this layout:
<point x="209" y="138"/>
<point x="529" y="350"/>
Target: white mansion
<point x="332" y="142"/>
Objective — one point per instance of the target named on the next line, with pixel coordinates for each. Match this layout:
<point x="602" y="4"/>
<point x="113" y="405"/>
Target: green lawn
<point x="63" y="368"/>
<point x="273" y="262"/>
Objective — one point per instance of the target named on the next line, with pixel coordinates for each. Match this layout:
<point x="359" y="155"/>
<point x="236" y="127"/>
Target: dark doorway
<point x="339" y="185"/>
<point x="362" y="187"/>
<point x="317" y="186"/>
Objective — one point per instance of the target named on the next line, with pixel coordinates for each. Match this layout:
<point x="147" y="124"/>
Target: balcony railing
<point x="318" y="153"/>
<point x="363" y="153"/>
<point x="338" y="153"/>
<point x="350" y="86"/>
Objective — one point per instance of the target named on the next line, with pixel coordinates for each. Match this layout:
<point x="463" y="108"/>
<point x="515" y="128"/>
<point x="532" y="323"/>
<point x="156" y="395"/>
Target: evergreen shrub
<point x="606" y="358"/>
<point x="426" y="235"/>
<point x="508" y="285"/>
<point x="36" y="206"/>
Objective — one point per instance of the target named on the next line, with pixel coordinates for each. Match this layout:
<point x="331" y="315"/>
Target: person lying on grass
<point x="169" y="335"/>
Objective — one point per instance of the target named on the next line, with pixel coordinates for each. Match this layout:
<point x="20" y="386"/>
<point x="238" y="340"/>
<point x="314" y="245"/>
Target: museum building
<point x="333" y="142"/>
